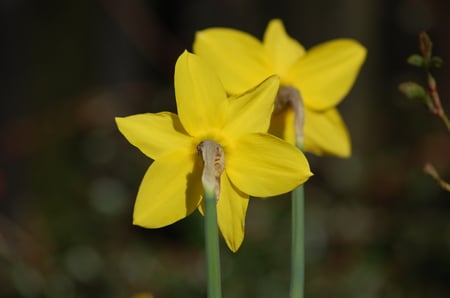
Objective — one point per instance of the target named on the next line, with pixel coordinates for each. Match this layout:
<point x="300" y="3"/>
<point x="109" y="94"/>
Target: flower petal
<point x="231" y="209"/>
<point x="282" y="125"/>
<point x="262" y="165"/>
<point x="282" y="49"/>
<point x="171" y="190"/>
<point x="326" y="133"/>
<point x="327" y="72"/>
<point x="237" y="57"/>
<point x="251" y="111"/>
<point x="201" y="98"/>
<point x="154" y="134"/>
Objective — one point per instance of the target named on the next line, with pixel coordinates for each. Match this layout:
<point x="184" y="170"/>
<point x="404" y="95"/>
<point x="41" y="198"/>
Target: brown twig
<point x="431" y="170"/>
<point x="430" y="97"/>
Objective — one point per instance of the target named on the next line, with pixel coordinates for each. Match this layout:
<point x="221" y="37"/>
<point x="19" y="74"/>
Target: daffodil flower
<point x="255" y="162"/>
<point x="323" y="75"/>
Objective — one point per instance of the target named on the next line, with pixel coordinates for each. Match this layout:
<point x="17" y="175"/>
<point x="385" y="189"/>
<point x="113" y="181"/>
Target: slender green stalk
<point x="213" y="165"/>
<point x="212" y="245"/>
<point x="298" y="246"/>
<point x="291" y="96"/>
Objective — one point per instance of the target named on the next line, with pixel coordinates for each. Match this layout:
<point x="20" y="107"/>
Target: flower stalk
<point x="289" y="98"/>
<point x="213" y="166"/>
<point x="298" y="243"/>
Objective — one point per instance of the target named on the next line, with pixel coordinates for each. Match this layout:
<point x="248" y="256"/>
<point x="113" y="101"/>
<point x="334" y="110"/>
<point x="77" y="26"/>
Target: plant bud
<point x="413" y="91"/>
<point x="415" y="60"/>
<point x="436" y="62"/>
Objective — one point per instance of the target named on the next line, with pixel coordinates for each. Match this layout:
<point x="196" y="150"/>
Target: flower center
<point x="289" y="97"/>
<point x="213" y="157"/>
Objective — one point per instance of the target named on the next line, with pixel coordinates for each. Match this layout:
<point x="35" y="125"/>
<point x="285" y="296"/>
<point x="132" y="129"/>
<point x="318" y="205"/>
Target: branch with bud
<point x="429" y="95"/>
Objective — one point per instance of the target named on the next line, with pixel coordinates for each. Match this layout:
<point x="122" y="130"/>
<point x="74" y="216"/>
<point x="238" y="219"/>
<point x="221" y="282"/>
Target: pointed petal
<point x="282" y="49"/>
<point x="171" y="190"/>
<point x="201" y="99"/>
<point x="251" y="111"/>
<point x="237" y="57"/>
<point x="326" y="73"/>
<point x="282" y="125"/>
<point x="231" y="209"/>
<point x="154" y="134"/>
<point x="262" y="165"/>
<point x="326" y="133"/>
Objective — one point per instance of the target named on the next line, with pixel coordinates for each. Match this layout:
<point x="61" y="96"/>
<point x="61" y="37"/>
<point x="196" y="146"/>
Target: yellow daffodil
<point x="323" y="75"/>
<point x="256" y="163"/>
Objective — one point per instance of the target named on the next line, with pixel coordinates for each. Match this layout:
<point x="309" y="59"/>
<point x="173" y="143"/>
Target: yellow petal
<point x="231" y="210"/>
<point x="201" y="98"/>
<point x="171" y="190"/>
<point x="282" y="49"/>
<point x="251" y="111"/>
<point x="282" y="125"/>
<point x="262" y="165"/>
<point x="327" y="72"/>
<point x="154" y="134"/>
<point x="326" y="133"/>
<point x="237" y="57"/>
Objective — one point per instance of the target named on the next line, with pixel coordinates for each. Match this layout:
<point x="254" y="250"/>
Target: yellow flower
<point x="256" y="163"/>
<point x="323" y="75"/>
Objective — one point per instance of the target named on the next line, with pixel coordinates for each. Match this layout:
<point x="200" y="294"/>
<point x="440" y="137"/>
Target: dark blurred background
<point x="377" y="226"/>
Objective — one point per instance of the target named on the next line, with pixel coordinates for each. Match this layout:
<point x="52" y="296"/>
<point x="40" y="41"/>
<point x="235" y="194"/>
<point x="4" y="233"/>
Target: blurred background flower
<point x="376" y="225"/>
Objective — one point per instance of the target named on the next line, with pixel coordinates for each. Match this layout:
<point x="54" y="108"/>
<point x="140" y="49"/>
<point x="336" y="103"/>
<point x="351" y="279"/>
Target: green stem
<point x="212" y="245"/>
<point x="298" y="245"/>
<point x="288" y="95"/>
